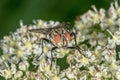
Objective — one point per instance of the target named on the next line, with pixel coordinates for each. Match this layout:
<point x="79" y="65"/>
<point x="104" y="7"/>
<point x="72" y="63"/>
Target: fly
<point x="59" y="36"/>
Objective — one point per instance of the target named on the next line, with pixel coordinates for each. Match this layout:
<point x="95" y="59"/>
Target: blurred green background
<point x="12" y="11"/>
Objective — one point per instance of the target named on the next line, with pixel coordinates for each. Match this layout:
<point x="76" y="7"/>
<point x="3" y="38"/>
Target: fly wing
<point x="48" y="30"/>
<point x="41" y="30"/>
<point x="62" y="25"/>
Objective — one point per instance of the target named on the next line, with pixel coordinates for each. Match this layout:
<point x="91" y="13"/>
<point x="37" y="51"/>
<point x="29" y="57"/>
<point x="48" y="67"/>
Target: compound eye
<point x="67" y="35"/>
<point x="57" y="38"/>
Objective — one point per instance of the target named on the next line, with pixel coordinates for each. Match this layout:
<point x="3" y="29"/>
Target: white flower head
<point x="23" y="65"/>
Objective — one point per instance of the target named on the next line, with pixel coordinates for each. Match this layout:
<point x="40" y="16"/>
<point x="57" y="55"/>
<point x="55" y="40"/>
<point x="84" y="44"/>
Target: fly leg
<point x="77" y="49"/>
<point x="37" y="57"/>
<point x="52" y="55"/>
<point x="74" y="35"/>
<point x="42" y="41"/>
<point x="76" y="46"/>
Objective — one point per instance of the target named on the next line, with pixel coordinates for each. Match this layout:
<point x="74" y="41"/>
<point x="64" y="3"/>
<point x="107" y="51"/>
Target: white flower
<point x="18" y="74"/>
<point x="84" y="61"/>
<point x="64" y="79"/>
<point x="117" y="74"/>
<point x="94" y="15"/>
<point x="7" y="73"/>
<point x="70" y="73"/>
<point x="37" y="50"/>
<point x="115" y="39"/>
<point x="14" y="60"/>
<point x="83" y="78"/>
<point x="23" y="65"/>
<point x="56" y="78"/>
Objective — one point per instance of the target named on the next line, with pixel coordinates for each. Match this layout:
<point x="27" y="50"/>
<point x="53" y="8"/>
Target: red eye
<point x="68" y="36"/>
<point x="57" y="38"/>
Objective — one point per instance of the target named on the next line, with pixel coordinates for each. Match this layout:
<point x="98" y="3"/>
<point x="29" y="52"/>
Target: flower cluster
<point x="97" y="34"/>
